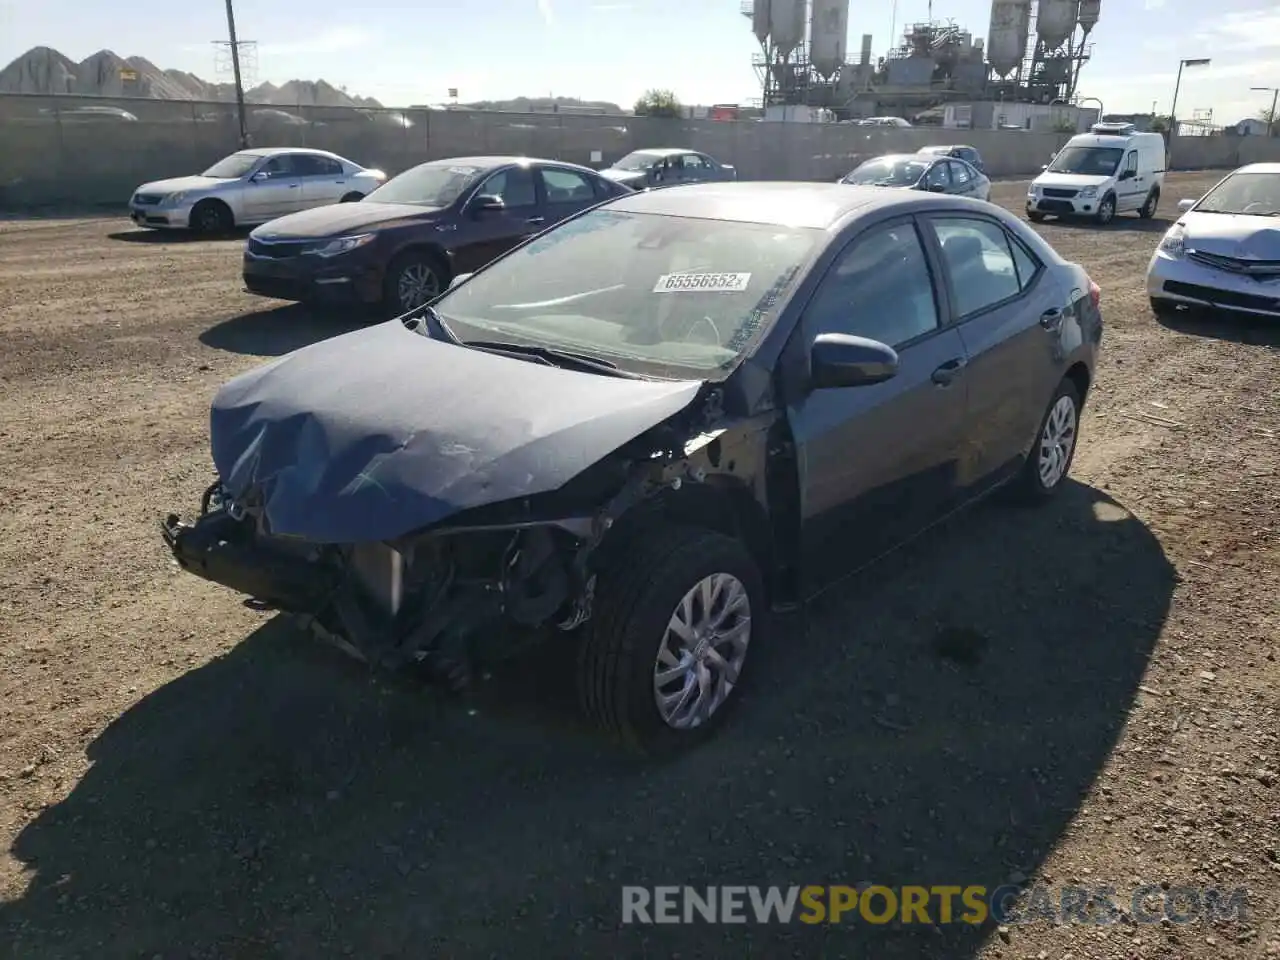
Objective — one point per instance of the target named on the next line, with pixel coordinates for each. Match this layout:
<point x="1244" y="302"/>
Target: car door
<point x="938" y="177"/>
<point x="1131" y="191"/>
<point x="697" y="168"/>
<point x="485" y="234"/>
<point x="877" y="463"/>
<point x="963" y="181"/>
<point x="324" y="180"/>
<point x="274" y="190"/>
<point x="566" y="191"/>
<point x="1007" y="307"/>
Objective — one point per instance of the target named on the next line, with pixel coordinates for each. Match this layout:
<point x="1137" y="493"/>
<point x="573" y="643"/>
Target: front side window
<point x="657" y="295"/>
<point x="879" y="288"/>
<point x="513" y="186"/>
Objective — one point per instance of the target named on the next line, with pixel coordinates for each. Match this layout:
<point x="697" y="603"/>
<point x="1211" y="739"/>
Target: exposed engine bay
<point x="470" y="590"/>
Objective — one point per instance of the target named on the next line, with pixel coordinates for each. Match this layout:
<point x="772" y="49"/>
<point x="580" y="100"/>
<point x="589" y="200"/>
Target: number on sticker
<point x="702" y="282"/>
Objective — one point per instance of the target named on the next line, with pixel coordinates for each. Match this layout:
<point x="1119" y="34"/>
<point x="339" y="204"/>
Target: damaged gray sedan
<point x="646" y="429"/>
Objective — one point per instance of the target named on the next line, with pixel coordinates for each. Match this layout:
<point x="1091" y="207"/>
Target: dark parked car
<point x="960" y="151"/>
<point x="402" y="244"/>
<point x="667" y="167"/>
<point x="646" y="427"/>
<point x="913" y="171"/>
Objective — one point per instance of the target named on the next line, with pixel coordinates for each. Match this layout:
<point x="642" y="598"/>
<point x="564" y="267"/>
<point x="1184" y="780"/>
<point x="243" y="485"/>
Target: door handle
<point x="536" y="220"/>
<point x="294" y="186"/>
<point x="947" y="373"/>
<point x="1051" y="319"/>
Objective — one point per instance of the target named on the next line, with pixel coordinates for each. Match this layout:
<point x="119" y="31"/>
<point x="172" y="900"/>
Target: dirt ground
<point x="181" y="776"/>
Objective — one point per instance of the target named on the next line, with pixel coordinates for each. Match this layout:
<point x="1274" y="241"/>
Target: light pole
<point x="235" y="66"/>
<point x="1173" y="110"/>
<point x="1271" y="117"/>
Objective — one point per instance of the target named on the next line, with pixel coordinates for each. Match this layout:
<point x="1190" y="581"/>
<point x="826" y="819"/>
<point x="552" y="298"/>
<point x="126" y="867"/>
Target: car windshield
<point x="1089" y="161"/>
<point x="889" y="172"/>
<point x="1256" y="194"/>
<point x="659" y="296"/>
<point x="233" y="167"/>
<point x="637" y="161"/>
<point x="430" y="184"/>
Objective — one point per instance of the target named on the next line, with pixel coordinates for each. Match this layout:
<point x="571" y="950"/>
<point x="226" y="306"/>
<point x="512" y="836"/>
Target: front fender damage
<point x="468" y="591"/>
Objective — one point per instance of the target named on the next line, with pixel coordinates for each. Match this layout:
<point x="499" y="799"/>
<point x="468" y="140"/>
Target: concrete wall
<point x="53" y="155"/>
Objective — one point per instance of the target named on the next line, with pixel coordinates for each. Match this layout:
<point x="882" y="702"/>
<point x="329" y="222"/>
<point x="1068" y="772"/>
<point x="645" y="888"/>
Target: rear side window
<point x="981" y="263"/>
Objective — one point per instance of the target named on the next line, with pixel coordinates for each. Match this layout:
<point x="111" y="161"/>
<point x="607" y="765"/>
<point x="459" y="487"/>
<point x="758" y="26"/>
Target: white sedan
<point x="252" y="187"/>
<point x="1224" y="250"/>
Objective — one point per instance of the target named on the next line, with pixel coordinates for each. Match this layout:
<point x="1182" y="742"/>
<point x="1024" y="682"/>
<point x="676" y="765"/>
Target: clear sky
<point x="412" y="51"/>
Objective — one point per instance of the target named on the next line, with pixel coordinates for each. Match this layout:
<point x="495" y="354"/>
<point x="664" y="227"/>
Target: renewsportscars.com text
<point x="939" y="904"/>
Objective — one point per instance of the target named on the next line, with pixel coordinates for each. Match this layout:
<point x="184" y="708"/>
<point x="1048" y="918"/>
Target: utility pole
<point x="1271" y="117"/>
<point x="235" y="67"/>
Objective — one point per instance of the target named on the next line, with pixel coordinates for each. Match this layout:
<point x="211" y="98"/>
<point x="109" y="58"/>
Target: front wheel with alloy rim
<point x="412" y="280"/>
<point x="1050" y="458"/>
<point x="1149" y="207"/>
<point x="665" y="655"/>
<point x="1106" y="210"/>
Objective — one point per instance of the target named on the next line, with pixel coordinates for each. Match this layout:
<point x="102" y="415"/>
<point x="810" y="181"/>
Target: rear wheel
<point x="664" y="656"/>
<point x="413" y="279"/>
<point x="1149" y="207"/>
<point x="352" y="197"/>
<point x="211" y="218"/>
<point x="1035" y="217"/>
<point x="1050" y="458"/>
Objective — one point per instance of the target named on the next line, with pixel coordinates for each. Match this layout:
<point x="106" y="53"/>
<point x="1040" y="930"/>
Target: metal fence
<point x="83" y="152"/>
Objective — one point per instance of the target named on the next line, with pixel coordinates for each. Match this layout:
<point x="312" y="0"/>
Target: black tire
<point x="1163" y="308"/>
<point x="393" y="285"/>
<point x="1030" y="487"/>
<point x="635" y="598"/>
<point x="352" y="197"/>
<point x="1149" y="205"/>
<point x="1106" y="210"/>
<point x="211" y="218"/>
<point x="1035" y="217"/>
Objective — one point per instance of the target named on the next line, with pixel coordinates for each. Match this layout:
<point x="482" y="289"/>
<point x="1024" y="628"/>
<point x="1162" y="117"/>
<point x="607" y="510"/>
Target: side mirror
<point x="1185" y="206"/>
<point x="459" y="279"/>
<point x="1127" y="175"/>
<point x="260" y="176"/>
<point x="936" y="188"/>
<point x="840" y="360"/>
<point x="487" y="203"/>
<point x="1044" y="167"/>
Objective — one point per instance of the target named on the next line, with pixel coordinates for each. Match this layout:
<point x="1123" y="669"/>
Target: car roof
<point x="918" y="158"/>
<point x="1259" y="168"/>
<point x="502" y="161"/>
<point x="783" y="203"/>
<point x="665" y="151"/>
<point x="276" y="151"/>
<point x="948" y="146"/>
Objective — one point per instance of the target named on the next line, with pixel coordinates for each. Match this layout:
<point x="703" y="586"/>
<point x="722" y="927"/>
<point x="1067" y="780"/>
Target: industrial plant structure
<point x="1033" y="54"/>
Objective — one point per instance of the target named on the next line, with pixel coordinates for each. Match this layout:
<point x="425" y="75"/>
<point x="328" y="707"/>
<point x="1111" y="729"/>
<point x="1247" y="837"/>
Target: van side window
<point x="1131" y="161"/>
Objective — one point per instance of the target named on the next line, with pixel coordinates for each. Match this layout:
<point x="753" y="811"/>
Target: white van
<point x="1112" y="169"/>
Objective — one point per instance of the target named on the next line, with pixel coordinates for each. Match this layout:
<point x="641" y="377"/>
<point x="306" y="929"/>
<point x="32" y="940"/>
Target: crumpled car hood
<point x="1248" y="237"/>
<point x="378" y="433"/>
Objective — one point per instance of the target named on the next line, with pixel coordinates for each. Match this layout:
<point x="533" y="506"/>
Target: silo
<point x="1007" y="36"/>
<point x="786" y="24"/>
<point x="1088" y="15"/>
<point x="1055" y="21"/>
<point x="828" y="36"/>
<point x="760" y="19"/>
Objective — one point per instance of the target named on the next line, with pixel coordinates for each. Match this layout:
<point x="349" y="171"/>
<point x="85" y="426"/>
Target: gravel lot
<point x="184" y="777"/>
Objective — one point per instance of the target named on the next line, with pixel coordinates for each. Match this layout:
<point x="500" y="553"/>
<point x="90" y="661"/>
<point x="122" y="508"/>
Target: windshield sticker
<point x="702" y="283"/>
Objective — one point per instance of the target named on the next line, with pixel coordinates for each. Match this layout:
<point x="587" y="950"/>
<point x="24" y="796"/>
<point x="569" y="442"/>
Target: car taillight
<point x="1095" y="294"/>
